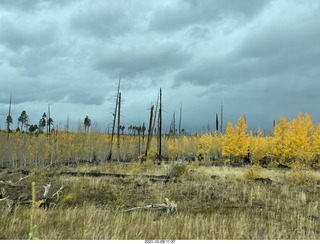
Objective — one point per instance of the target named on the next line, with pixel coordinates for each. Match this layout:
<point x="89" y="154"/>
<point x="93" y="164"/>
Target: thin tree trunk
<point x="160" y="126"/>
<point x="114" y="121"/>
<point x="217" y="123"/>
<point x="221" y="118"/>
<point x="143" y="126"/>
<point x="174" y="124"/>
<point x="149" y="132"/>
<point x="155" y="115"/>
<point x="118" y="139"/>
<point x="9" y="116"/>
<point x="180" y="119"/>
<point x="48" y="122"/>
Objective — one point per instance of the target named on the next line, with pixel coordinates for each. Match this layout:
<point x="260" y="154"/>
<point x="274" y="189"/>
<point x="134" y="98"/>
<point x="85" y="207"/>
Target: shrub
<point x="119" y="198"/>
<point x="299" y="175"/>
<point x="179" y="170"/>
<point x="69" y="199"/>
<point x="253" y="172"/>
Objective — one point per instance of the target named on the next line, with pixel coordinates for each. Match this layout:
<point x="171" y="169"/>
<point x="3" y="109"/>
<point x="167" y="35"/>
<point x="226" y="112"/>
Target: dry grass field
<point x="214" y="202"/>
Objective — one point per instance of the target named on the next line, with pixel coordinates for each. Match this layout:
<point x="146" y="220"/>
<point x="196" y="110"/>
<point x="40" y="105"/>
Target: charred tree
<point x="180" y="118"/>
<point x="217" y="123"/>
<point x="118" y="138"/>
<point x="221" y="119"/>
<point x="174" y="124"/>
<point x="114" y="121"/>
<point x="155" y="116"/>
<point x="160" y="126"/>
<point x="48" y="121"/>
<point x="149" y="132"/>
<point x="9" y="119"/>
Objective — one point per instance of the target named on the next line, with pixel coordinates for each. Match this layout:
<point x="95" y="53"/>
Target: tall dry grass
<point x="227" y="207"/>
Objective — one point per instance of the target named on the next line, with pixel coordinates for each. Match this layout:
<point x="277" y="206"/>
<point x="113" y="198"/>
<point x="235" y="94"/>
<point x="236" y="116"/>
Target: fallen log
<point x="168" y="206"/>
<point x="263" y="180"/>
<point x="45" y="201"/>
<point x="114" y="175"/>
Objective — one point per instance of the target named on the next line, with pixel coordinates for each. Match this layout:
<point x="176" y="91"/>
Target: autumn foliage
<point x="291" y="143"/>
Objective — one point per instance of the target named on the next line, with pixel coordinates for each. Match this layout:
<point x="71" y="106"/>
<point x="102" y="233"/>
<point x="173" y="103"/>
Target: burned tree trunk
<point x="114" y="121"/>
<point x="48" y="121"/>
<point x="149" y="132"/>
<point x="221" y="119"/>
<point x="160" y="127"/>
<point x="180" y="119"/>
<point x="217" y="123"/>
<point x="9" y="119"/>
<point x="118" y="138"/>
<point x="155" y="115"/>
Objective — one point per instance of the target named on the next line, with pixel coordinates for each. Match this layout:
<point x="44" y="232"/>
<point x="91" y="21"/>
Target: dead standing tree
<point x="149" y="132"/>
<point x="217" y="123"/>
<point x="180" y="108"/>
<point x="118" y="137"/>
<point x="9" y="119"/>
<point x="114" y="121"/>
<point x="221" y="119"/>
<point x="160" y="126"/>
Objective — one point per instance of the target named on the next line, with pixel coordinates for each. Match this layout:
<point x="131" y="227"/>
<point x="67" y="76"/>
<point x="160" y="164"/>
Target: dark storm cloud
<point x="30" y="90"/>
<point x="192" y="12"/>
<point x="143" y="60"/>
<point x="278" y="50"/>
<point x="264" y="55"/>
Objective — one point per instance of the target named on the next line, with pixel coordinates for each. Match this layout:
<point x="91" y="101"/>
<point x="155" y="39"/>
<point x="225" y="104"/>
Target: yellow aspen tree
<point x="257" y="146"/>
<point x="316" y="146"/>
<point x="242" y="141"/>
<point x="173" y="148"/>
<point x="229" y="142"/>
<point x="186" y="145"/>
<point x="279" y="141"/>
<point x="301" y="135"/>
<point x="205" y="146"/>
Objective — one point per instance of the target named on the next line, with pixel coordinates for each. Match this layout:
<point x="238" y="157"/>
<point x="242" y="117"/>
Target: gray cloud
<point x="199" y="32"/>
<point x="101" y="22"/>
<point x="32" y="5"/>
<point x="191" y="12"/>
<point x="275" y="50"/>
<point x="143" y="60"/>
<point x="17" y="35"/>
<point x="260" y="58"/>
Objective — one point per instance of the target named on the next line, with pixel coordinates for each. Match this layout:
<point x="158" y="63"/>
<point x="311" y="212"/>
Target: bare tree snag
<point x="9" y="119"/>
<point x="118" y="137"/>
<point x="57" y="193"/>
<point x="180" y="108"/>
<point x="46" y="190"/>
<point x="217" y="123"/>
<point x="155" y="115"/>
<point x="174" y="124"/>
<point x="47" y="201"/>
<point x="114" y="121"/>
<point x="160" y="126"/>
<point x="149" y="132"/>
<point x="221" y="119"/>
<point x="48" y="121"/>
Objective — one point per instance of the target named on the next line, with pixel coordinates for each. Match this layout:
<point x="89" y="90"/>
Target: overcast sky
<point x="258" y="58"/>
